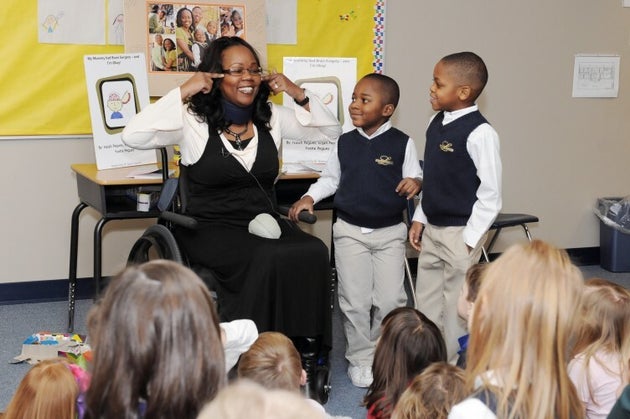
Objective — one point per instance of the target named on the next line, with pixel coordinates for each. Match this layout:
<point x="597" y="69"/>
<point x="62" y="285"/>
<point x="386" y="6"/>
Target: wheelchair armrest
<point x="179" y="219"/>
<point x="305" y="216"/>
<point x="167" y="194"/>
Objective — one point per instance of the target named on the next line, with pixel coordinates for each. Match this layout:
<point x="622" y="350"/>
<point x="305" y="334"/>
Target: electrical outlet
<point x="626" y="3"/>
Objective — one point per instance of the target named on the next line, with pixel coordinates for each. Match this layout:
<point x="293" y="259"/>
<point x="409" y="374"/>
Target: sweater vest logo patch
<point x="384" y="161"/>
<point x="446" y="147"/>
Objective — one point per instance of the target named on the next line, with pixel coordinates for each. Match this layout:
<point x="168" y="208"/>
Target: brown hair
<point x="474" y="275"/>
<point x="48" y="390"/>
<point x="432" y="393"/>
<point x="155" y="336"/>
<point x="272" y="361"/>
<point x="409" y="343"/>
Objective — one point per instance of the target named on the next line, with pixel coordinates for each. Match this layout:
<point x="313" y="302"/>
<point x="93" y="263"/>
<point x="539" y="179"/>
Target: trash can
<point x="614" y="233"/>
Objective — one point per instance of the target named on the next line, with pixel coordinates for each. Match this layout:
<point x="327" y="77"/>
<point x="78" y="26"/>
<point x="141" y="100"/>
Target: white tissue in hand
<point x="264" y="225"/>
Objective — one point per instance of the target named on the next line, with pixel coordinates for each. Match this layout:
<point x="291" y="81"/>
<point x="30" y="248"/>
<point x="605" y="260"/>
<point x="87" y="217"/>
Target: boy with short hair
<point x="372" y="170"/>
<point x="461" y="193"/>
<point x="466" y="305"/>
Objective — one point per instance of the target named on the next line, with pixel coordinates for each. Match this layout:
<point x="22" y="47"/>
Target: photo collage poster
<point x="178" y="34"/>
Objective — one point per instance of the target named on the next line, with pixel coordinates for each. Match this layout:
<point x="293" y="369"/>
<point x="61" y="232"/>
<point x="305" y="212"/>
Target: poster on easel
<point x="331" y="79"/>
<point x="117" y="89"/>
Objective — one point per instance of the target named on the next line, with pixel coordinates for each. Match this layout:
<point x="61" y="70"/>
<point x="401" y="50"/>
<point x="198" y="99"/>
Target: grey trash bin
<point x="614" y="233"/>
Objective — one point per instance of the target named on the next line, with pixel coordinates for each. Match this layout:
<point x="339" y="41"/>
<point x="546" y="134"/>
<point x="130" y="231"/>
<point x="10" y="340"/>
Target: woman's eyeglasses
<point x="240" y="72"/>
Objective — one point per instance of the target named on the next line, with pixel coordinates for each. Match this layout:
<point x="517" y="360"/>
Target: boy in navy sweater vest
<point x="461" y="192"/>
<point x="372" y="171"/>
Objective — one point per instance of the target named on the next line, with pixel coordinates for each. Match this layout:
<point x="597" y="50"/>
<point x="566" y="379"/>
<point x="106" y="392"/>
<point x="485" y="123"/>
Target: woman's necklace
<point x="237" y="136"/>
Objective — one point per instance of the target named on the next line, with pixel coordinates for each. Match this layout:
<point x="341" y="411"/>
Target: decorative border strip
<point x="378" y="62"/>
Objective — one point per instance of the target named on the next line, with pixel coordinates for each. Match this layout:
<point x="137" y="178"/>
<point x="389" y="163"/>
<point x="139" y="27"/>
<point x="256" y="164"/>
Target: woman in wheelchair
<point x="229" y="135"/>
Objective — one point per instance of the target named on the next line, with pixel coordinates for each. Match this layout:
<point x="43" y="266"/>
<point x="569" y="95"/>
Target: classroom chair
<point x="505" y="220"/>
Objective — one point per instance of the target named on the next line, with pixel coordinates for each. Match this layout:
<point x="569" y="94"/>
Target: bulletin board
<point x="332" y="28"/>
<point x="43" y="85"/>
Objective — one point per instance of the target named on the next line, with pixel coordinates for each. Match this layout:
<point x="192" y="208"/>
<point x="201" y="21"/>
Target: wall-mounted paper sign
<point x="117" y="89"/>
<point x="596" y="75"/>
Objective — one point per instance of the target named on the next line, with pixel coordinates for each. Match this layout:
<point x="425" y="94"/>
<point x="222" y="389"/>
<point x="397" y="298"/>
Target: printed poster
<point x="117" y="89"/>
<point x="332" y="80"/>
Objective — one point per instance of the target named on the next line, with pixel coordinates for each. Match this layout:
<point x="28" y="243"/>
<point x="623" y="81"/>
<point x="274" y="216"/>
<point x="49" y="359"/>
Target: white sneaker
<point x="360" y="376"/>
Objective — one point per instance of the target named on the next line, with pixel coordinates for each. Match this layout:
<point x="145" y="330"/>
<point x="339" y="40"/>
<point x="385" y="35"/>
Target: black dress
<point x="281" y="284"/>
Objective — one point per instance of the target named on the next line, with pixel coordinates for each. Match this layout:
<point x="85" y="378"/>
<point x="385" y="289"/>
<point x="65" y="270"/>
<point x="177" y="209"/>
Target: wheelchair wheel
<point x="157" y="242"/>
<point x="321" y="384"/>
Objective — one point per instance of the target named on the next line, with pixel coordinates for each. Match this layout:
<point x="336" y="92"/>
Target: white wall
<point x="559" y="153"/>
<point x="38" y="195"/>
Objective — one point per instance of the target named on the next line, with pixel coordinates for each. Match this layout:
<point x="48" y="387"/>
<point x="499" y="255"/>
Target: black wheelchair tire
<point x="321" y="385"/>
<point x="161" y="240"/>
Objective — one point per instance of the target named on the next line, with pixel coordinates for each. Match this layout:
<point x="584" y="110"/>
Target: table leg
<point x="98" y="254"/>
<point x="72" y="275"/>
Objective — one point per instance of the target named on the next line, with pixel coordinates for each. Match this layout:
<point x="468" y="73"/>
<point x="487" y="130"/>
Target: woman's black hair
<point x="208" y="107"/>
<point x="178" y="17"/>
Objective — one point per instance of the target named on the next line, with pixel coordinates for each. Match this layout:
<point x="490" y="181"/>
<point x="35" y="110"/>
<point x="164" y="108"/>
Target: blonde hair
<point x="522" y="323"/>
<point x="48" y="390"/>
<point x="432" y="393"/>
<point x="245" y="399"/>
<point x="604" y="325"/>
<point x="272" y="361"/>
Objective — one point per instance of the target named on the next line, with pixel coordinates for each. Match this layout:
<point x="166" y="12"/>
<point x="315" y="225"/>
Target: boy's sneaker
<point x="360" y="376"/>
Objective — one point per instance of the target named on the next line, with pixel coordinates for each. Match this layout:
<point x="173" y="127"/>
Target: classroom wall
<point x="559" y="153"/>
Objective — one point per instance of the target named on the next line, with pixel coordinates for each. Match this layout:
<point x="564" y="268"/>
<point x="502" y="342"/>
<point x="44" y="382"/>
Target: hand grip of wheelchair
<point x="179" y="219"/>
<point x="304" y="215"/>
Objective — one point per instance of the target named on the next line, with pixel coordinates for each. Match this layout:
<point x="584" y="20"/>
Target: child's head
<point x="225" y="28"/>
<point x="274" y="362"/>
<point x="468" y="293"/>
<point x="246" y="399"/>
<point x="523" y="320"/>
<point x="432" y="393"/>
<point x="409" y="343"/>
<point x="200" y="35"/>
<point x="48" y="390"/>
<point x="212" y="27"/>
<point x="374" y="100"/>
<point x="605" y="320"/>
<point x="458" y="80"/>
<point x="155" y="336"/>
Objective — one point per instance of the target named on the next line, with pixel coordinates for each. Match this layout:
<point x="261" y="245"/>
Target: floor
<point x="19" y="321"/>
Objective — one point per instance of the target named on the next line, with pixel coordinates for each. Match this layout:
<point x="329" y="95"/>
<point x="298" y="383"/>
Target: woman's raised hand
<point x="279" y="83"/>
<point x="199" y="82"/>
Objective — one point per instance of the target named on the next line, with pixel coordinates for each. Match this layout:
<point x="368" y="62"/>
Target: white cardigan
<point x="168" y="122"/>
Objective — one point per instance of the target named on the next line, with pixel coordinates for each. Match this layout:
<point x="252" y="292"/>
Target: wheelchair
<point x="159" y="242"/>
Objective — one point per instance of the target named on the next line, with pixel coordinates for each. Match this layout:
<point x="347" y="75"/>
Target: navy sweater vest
<point x="450" y="179"/>
<point x="370" y="172"/>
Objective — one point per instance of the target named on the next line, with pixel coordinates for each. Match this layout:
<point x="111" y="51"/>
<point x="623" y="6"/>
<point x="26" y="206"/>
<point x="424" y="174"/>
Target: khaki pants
<point x="442" y="266"/>
<point x="370" y="268"/>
